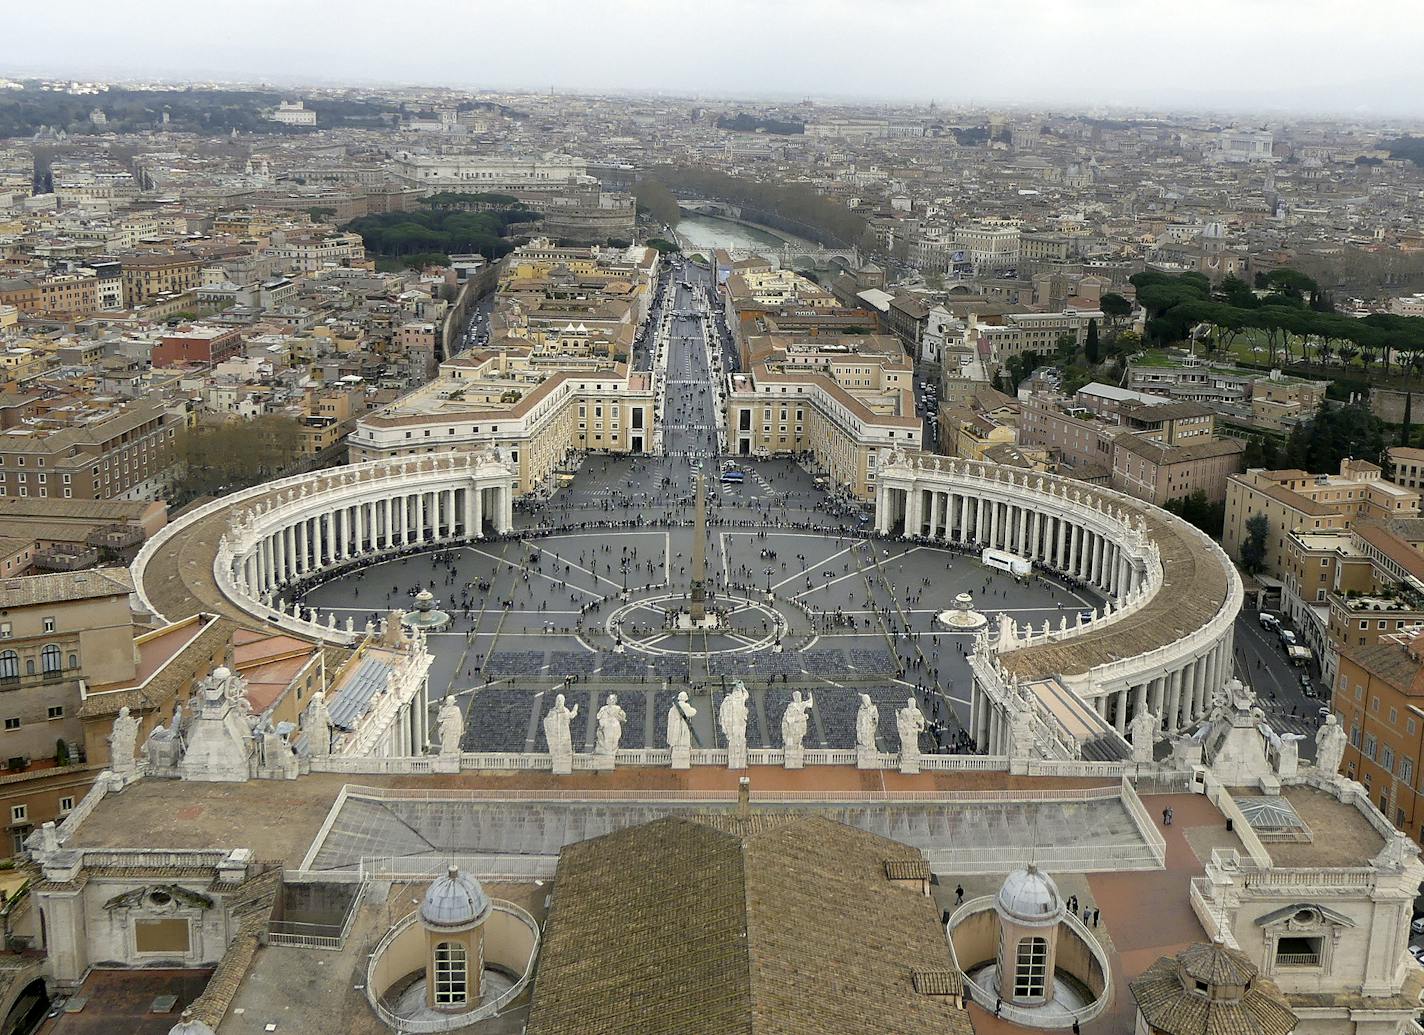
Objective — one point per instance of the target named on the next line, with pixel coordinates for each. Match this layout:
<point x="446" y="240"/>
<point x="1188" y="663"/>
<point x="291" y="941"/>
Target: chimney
<point x="744" y="796"/>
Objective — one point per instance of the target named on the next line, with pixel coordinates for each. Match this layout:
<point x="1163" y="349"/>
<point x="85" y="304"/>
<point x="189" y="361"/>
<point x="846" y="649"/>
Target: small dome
<point x="453" y="901"/>
<point x="1030" y="897"/>
<point x="1215" y="965"/>
<point x="189" y="1025"/>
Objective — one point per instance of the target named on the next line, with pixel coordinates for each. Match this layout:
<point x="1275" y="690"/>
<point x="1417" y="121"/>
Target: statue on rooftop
<point x="732" y="717"/>
<point x="318" y="725"/>
<point x="556" y="734"/>
<point x="452" y="726"/>
<point x="1143" y="727"/>
<point x="611" y="718"/>
<point x="1329" y="746"/>
<point x="910" y="723"/>
<point x="867" y="723"/>
<point x="793" y="727"/>
<point x="122" y="743"/>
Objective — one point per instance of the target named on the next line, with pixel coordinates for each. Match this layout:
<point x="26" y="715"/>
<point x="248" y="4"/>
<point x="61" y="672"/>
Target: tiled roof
<point x="785" y="924"/>
<point x="65" y="586"/>
<point x="1167" y="1006"/>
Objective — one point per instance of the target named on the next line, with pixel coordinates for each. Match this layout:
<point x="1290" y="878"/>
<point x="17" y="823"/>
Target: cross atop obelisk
<point x="699" y="557"/>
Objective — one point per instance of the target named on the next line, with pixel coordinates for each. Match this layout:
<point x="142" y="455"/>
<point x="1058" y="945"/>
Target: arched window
<point x="1030" y="973"/>
<point x="451" y="977"/>
<point x="9" y="665"/>
<point x="49" y="658"/>
<point x="73" y="661"/>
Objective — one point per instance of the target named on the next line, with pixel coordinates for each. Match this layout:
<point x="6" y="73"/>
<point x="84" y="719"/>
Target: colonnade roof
<point x="1195" y="586"/>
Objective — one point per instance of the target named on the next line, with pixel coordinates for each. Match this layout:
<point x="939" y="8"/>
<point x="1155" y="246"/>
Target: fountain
<point x="962" y="617"/>
<point x="426" y="617"/>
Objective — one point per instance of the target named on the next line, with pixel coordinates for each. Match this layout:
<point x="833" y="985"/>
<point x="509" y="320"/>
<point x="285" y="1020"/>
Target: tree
<point x="320" y="213"/>
<point x="1334" y="433"/>
<point x="1116" y="308"/>
<point x="662" y="245"/>
<point x="657" y="201"/>
<point x="1196" y="509"/>
<point x="1090" y="345"/>
<point x="1404" y="427"/>
<point x="1253" y="547"/>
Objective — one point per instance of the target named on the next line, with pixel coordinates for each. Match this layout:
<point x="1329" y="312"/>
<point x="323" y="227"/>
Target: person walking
<point x="959" y="894"/>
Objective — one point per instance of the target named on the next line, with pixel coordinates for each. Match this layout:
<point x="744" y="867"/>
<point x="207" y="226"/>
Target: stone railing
<point x="652" y="758"/>
<point x="1213" y="919"/>
<point x="1148" y="829"/>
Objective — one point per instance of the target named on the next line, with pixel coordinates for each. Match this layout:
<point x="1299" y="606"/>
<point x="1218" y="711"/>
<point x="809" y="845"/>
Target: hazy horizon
<point x="1246" y="56"/>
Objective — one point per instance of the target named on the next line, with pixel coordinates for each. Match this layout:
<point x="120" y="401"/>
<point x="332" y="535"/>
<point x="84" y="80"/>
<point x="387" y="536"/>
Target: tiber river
<point x="703" y="233"/>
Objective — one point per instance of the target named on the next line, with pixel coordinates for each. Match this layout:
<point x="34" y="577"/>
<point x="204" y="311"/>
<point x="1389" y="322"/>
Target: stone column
<point x="301" y="547"/>
<point x="1060" y="553"/>
<point x="1120" y="707"/>
<point x="936" y="513"/>
<point x="963" y="517"/>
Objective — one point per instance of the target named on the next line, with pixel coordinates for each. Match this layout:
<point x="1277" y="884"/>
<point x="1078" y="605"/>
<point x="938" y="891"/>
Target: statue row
<point x="731" y="719"/>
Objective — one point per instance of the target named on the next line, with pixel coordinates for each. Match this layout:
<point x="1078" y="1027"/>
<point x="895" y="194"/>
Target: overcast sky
<point x="1256" y="55"/>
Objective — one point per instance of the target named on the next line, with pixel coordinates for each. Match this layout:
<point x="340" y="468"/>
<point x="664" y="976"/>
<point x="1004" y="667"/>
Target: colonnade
<point x="318" y="531"/>
<point x="1062" y="541"/>
<point x="1093" y="535"/>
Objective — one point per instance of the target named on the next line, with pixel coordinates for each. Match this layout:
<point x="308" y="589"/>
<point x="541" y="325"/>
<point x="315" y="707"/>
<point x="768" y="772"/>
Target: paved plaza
<point x="583" y="598"/>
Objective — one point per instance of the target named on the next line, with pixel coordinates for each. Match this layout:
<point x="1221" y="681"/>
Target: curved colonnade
<point x="256" y="541"/>
<point x="1162" y="644"/>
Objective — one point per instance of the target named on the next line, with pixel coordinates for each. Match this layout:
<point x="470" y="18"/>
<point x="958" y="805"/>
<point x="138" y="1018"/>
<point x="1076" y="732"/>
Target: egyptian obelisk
<point x="699" y="558"/>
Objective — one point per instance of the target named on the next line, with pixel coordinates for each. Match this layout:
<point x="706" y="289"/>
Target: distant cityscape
<point x="628" y="564"/>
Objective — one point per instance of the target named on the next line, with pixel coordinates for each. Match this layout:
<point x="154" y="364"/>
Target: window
<point x="66" y="806"/>
<point x="1029" y="974"/>
<point x="12" y="723"/>
<point x="49" y="658"/>
<point x="49" y="625"/>
<point x="19" y="813"/>
<point x="56" y="711"/>
<point x="1298" y="952"/>
<point x="9" y="665"/>
<point x="450" y="974"/>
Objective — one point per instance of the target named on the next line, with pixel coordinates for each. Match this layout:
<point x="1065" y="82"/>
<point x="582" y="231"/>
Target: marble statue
<point x="910" y="723"/>
<point x="679" y="727"/>
<point x="122" y="743"/>
<point x="318" y="725"/>
<point x="732" y="717"/>
<point x="793" y="728"/>
<point x="452" y="726"/>
<point x="610" y="718"/>
<point x="1329" y="746"/>
<point x="679" y="731"/>
<point x="556" y="733"/>
<point x="867" y="722"/>
<point x="1143" y="727"/>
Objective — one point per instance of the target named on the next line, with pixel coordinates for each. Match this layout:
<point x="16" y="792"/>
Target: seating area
<point x="514" y="663"/>
<point x="499" y="720"/>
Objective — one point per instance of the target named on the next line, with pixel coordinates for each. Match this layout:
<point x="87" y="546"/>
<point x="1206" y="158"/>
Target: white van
<point x="1269" y="621"/>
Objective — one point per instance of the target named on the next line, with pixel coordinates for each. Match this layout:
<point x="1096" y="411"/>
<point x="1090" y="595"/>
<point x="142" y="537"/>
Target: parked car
<point x="1269" y="621"/>
<point x="1417" y="926"/>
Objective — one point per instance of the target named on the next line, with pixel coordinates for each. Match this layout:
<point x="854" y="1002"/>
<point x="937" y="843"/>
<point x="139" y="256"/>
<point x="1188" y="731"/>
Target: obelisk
<point x="699" y="558"/>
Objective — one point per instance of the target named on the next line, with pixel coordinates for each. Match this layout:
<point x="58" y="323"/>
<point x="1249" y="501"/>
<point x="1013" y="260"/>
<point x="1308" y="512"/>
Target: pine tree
<point x="1090" y="347"/>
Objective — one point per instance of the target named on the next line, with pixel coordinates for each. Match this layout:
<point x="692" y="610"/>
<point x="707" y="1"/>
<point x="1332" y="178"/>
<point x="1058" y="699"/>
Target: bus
<point x="1009" y="562"/>
<point x="733" y="477"/>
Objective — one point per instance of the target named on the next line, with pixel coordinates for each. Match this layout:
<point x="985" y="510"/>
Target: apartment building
<point x="151" y="275"/>
<point x="991" y="247"/>
<point x="1406" y="466"/>
<point x="60" y="294"/>
<point x="846" y="403"/>
<point x="1145" y="445"/>
<point x="89" y="450"/>
<point x="535" y="416"/>
<point x="1379" y="700"/>
<point x="1273" y="401"/>
<point x="1293" y="500"/>
<point x="195" y="343"/>
<point x="1006" y="335"/>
